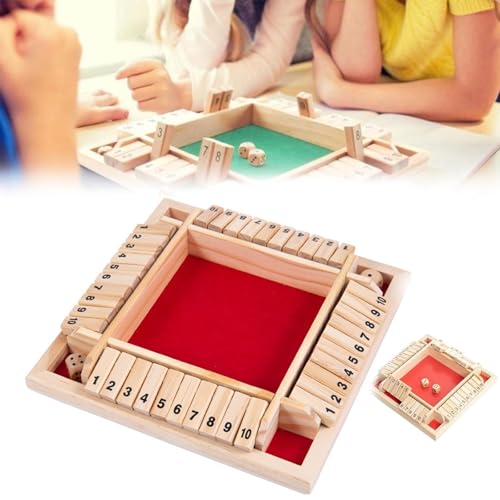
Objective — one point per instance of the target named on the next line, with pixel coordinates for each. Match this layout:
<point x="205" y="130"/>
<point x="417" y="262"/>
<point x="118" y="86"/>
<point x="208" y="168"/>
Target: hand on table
<point x="152" y="87"/>
<point x="99" y="107"/>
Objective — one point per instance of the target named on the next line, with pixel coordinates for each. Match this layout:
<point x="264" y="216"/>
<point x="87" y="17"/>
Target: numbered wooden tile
<point x="105" y="313"/>
<point x="162" y="139"/>
<point x="216" y="411"/>
<point x="136" y="259"/>
<point x="361" y="335"/>
<point x="109" y="290"/>
<point x="232" y="418"/>
<point x="341" y="339"/>
<point x="204" y="160"/>
<point x="321" y="391"/>
<point x="340" y="256"/>
<point x="137" y="248"/>
<point x="182" y="401"/>
<point x="251" y="230"/>
<point x="223" y="220"/>
<point x="305" y="104"/>
<point x="139" y="271"/>
<point x="325" y="251"/>
<point x="128" y="145"/>
<point x="72" y="323"/>
<point x="266" y="233"/>
<point x="326" y="411"/>
<point x="280" y="239"/>
<point x="118" y="278"/>
<point x="220" y="162"/>
<point x="236" y="226"/>
<point x="213" y="101"/>
<point x="339" y="352"/>
<point x="166" y="394"/>
<point x="247" y="433"/>
<point x="160" y="228"/>
<point x="117" y="377"/>
<point x="327" y="378"/>
<point x="133" y="383"/>
<point x="131" y="159"/>
<point x="101" y="370"/>
<point x="375" y="313"/>
<point x="99" y="300"/>
<point x="199" y="406"/>
<point x="323" y="359"/>
<point x="354" y="141"/>
<point x="150" y="389"/>
<point x="207" y="216"/>
<point x="295" y="243"/>
<point x="310" y="247"/>
<point x="227" y="96"/>
<point x="369" y="296"/>
<point x="146" y="240"/>
<point x="356" y="318"/>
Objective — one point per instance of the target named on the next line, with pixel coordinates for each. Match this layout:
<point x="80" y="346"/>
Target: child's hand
<point x="99" y="107"/>
<point x="38" y="64"/>
<point x="38" y="80"/>
<point x="152" y="87"/>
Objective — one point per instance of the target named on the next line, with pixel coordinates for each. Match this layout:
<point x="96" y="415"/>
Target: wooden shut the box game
<point x="291" y="138"/>
<point x="431" y="384"/>
<point x="238" y="338"/>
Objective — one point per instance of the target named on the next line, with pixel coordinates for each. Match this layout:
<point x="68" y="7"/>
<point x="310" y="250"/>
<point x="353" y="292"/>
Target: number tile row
<point x="272" y="235"/>
<point x="179" y="399"/>
<point x="112" y="287"/>
<point x="333" y="368"/>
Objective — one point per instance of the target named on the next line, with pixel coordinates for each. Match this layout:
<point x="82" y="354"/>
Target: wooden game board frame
<point x="448" y="359"/>
<point x="244" y="112"/>
<point x="245" y="256"/>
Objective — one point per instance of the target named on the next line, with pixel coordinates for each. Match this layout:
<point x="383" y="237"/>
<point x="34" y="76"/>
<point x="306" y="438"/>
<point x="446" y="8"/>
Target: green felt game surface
<point x="284" y="153"/>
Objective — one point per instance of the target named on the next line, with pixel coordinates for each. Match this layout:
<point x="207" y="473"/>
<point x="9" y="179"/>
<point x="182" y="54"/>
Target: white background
<point x="54" y="243"/>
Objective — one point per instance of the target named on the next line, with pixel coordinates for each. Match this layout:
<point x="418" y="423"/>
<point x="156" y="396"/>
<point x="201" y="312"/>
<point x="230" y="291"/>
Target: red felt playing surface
<point x="437" y="373"/>
<point x="288" y="446"/>
<point x="230" y="322"/>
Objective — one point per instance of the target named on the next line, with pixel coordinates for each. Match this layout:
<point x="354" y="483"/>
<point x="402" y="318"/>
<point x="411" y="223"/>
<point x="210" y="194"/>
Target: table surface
<point x="298" y="78"/>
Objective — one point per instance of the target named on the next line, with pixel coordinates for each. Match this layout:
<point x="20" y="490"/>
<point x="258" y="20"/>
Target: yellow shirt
<point x="417" y="36"/>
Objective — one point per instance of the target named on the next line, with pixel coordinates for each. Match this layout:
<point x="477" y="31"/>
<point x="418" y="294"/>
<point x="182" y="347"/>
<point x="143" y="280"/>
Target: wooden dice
<point x="104" y="149"/>
<point x="257" y="157"/>
<point x="245" y="148"/>
<point x="74" y="364"/>
<point x="436" y="389"/>
<point x="375" y="276"/>
<point x="424" y="382"/>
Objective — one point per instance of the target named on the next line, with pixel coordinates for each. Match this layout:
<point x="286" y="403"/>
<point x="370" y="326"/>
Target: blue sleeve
<point x="9" y="160"/>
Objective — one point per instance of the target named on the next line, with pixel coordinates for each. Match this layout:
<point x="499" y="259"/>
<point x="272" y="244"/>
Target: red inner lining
<point x="289" y="446"/>
<point x="434" y="424"/>
<point x="437" y="373"/>
<point x="229" y="322"/>
<point x="62" y="370"/>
